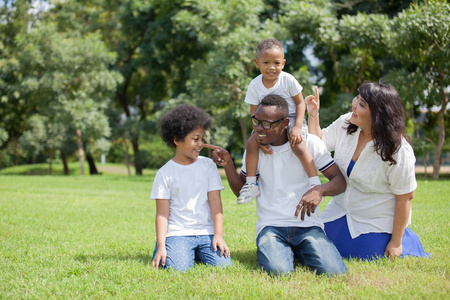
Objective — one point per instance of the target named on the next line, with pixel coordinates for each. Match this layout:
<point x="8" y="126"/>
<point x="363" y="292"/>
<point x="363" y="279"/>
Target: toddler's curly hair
<point x="179" y="121"/>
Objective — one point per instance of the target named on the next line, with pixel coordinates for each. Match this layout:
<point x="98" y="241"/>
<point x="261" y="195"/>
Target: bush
<point x="5" y="159"/>
<point x="155" y="154"/>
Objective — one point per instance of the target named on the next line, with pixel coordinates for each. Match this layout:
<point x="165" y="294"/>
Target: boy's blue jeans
<point x="278" y="246"/>
<point x="182" y="251"/>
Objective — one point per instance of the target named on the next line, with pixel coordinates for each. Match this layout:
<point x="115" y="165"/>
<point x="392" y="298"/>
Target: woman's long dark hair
<point x="388" y="118"/>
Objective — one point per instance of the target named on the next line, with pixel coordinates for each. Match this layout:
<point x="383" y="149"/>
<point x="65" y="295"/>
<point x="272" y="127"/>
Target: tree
<point x="230" y="30"/>
<point x="67" y="77"/>
<point x="420" y="41"/>
<point x="14" y="109"/>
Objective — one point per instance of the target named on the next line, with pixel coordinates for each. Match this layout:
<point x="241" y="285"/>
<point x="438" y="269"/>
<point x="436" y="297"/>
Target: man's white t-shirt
<point x="369" y="201"/>
<point x="283" y="181"/>
<point x="286" y="86"/>
<point x="187" y="187"/>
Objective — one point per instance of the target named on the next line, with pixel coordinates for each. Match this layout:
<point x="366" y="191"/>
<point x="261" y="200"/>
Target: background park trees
<point x="106" y="70"/>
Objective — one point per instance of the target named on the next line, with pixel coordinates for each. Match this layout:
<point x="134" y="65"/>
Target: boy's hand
<point x="313" y="103"/>
<point x="295" y="136"/>
<point x="219" y="242"/>
<point x="160" y="257"/>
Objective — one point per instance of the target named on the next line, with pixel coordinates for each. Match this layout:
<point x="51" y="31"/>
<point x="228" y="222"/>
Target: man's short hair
<point x="278" y="101"/>
<point x="268" y="44"/>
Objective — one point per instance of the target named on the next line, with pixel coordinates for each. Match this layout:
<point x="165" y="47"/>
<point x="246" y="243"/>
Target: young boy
<point x="189" y="219"/>
<point x="273" y="80"/>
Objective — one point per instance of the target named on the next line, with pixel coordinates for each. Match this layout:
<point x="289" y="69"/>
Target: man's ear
<point x="286" y="122"/>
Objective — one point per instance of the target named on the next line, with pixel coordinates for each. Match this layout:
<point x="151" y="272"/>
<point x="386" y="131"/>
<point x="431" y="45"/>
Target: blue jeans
<point x="277" y="247"/>
<point x="182" y="251"/>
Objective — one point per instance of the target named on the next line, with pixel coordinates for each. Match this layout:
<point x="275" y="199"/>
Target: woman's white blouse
<point x="369" y="200"/>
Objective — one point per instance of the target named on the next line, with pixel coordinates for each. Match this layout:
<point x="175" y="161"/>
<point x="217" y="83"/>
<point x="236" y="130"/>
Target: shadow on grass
<point x="248" y="258"/>
<point x="145" y="259"/>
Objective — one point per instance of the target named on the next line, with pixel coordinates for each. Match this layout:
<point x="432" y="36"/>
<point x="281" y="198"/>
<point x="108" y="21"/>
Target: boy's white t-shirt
<point x="187" y="187"/>
<point x="286" y="86"/>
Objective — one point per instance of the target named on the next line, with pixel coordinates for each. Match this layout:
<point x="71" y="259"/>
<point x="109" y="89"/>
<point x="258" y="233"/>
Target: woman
<point x="370" y="148"/>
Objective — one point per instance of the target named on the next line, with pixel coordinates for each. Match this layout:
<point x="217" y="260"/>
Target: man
<point x="281" y="236"/>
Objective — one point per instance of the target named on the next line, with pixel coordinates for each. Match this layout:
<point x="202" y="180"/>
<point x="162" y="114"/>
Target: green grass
<point x="93" y="237"/>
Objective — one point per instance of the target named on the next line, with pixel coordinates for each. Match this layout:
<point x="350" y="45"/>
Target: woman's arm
<point x="162" y="217"/>
<point x="401" y="217"/>
<point x="215" y="204"/>
<point x="313" y="105"/>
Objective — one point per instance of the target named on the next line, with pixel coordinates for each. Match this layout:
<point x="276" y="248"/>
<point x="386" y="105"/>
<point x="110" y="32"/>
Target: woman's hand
<point x="160" y="257"/>
<point x="393" y="250"/>
<point x="219" y="242"/>
<point x="313" y="103"/>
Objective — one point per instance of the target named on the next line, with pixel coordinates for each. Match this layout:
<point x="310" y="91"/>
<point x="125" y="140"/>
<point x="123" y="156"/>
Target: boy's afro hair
<point x="179" y="121"/>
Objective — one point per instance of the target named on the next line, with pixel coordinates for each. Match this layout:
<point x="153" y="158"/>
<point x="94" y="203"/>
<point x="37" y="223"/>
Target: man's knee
<point x="274" y="256"/>
<point x="321" y="255"/>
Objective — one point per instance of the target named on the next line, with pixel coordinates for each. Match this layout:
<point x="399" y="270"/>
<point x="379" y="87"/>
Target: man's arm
<point x="312" y="198"/>
<point x="222" y="158"/>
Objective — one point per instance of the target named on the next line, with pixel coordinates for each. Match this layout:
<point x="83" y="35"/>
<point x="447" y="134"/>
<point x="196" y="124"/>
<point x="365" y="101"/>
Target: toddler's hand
<point x="266" y="149"/>
<point x="295" y="136"/>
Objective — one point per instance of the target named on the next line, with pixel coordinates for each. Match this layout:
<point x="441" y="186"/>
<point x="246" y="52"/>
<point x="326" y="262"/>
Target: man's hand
<point x="219" y="155"/>
<point x="309" y="202"/>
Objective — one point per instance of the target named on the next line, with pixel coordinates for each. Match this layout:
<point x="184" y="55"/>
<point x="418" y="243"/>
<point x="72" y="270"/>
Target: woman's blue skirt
<point x="369" y="246"/>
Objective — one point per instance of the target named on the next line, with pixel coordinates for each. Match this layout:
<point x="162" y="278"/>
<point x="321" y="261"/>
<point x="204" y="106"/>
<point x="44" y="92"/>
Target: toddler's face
<point x="270" y="62"/>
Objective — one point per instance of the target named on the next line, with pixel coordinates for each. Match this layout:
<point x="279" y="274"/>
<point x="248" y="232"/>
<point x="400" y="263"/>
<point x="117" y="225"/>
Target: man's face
<point x="276" y="135"/>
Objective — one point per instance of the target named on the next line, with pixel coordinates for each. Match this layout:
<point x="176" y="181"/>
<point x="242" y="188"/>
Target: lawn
<point x="93" y="237"/>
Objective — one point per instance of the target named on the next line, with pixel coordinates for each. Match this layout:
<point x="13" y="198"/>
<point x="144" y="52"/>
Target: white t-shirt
<point x="283" y="182"/>
<point x="187" y="187"/>
<point x="286" y="86"/>
<point x="369" y="200"/>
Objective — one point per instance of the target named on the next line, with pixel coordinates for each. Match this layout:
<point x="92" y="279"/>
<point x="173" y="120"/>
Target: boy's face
<point x="270" y="62"/>
<point x="188" y="150"/>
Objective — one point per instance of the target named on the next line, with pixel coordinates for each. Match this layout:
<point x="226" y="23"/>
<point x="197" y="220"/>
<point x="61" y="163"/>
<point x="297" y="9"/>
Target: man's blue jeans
<point x="182" y="251"/>
<point x="279" y="246"/>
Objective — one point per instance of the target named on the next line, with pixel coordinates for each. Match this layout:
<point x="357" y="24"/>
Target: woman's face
<point x="361" y="116"/>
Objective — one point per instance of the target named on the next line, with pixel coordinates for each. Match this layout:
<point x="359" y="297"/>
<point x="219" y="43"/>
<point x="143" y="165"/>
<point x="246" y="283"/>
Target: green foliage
<point x="155" y="154"/>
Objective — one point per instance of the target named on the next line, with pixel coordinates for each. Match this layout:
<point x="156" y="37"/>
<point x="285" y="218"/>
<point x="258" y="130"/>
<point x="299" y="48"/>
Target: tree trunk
<point x="16" y="151"/>
<point x="137" y="160"/>
<point x="441" y="140"/>
<point x="80" y="151"/>
<point x="64" y="161"/>
<point x="127" y="159"/>
<point x="424" y="159"/>
<point x="243" y="124"/>
<point x="92" y="168"/>
<point x="50" y="161"/>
